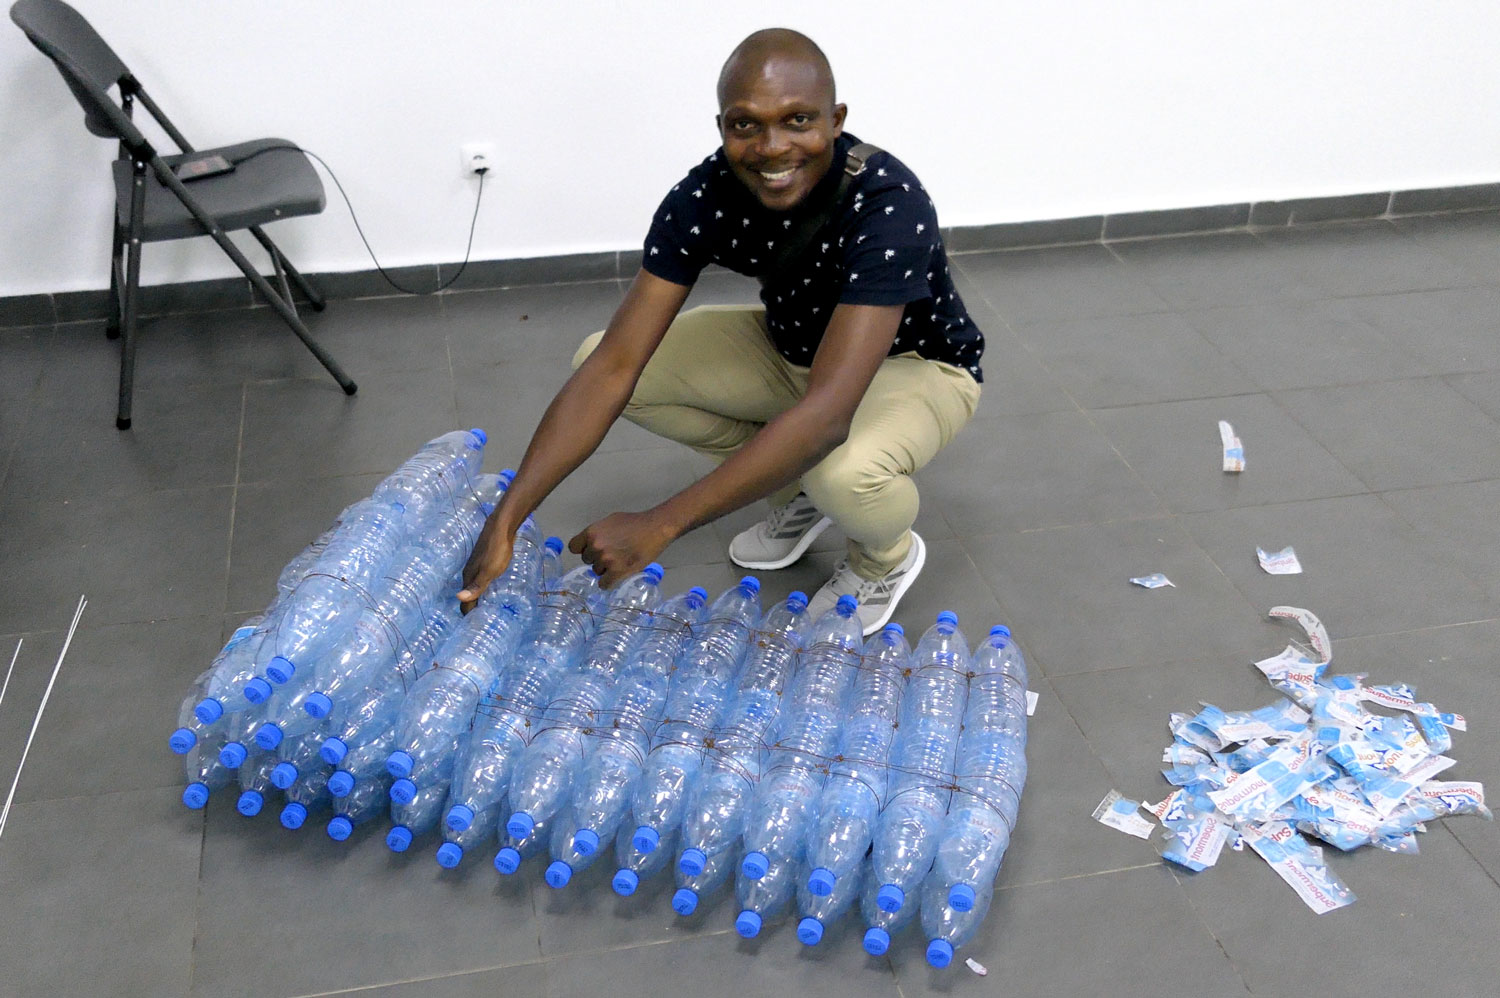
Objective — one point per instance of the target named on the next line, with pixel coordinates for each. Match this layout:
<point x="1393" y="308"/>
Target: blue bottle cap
<point x="751" y="585"/>
<point x="208" y="710"/>
<point x="520" y="826"/>
<point x="961" y="897"/>
<point x="821" y="881"/>
<point x="553" y="544"/>
<point x="318" y="705"/>
<point x="890" y="898"/>
<point x="654" y="572"/>
<point x="399" y="764"/>
<point x="233" y="755"/>
<point x="460" y="817"/>
<point x="182" y="741"/>
<point x="685" y="901"/>
<point x="948" y="617"/>
<point x="796" y="601"/>
<point x="558" y="874"/>
<point x="403" y="791"/>
<point x="940" y="953"/>
<point x="340" y="828"/>
<point x="280" y="669"/>
<point x="333" y="751"/>
<point x="507" y="860"/>
<point x="847" y="605"/>
<point x="999" y="630"/>
<point x="692" y="861"/>
<point x="625" y="882"/>
<point x="250" y="803"/>
<point x="645" y="839"/>
<point x="398" y="839"/>
<point x="293" y="815"/>
<point x="268" y="735"/>
<point x="284" y="775"/>
<point x="448" y="855"/>
<point x="507" y="475"/>
<point x="477" y="439"/>
<point x="755" y="865"/>
<point x="585" y="842"/>
<point x="877" y="941"/>
<point x="195" y="795"/>
<point x="257" y="690"/>
<point x="341" y="783"/>
<point x="810" y="931"/>
<point x="699" y="592"/>
<point x="747" y="923"/>
<point x="895" y="628"/>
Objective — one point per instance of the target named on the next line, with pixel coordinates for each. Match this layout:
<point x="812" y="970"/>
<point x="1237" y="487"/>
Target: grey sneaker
<point x="780" y="538"/>
<point x="877" y="597"/>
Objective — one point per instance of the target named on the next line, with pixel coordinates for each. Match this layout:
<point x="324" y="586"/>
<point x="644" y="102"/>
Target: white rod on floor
<point x="36" y="721"/>
<point x="19" y="642"/>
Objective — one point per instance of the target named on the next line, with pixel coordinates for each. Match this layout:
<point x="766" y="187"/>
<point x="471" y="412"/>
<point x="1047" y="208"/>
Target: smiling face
<point x="778" y="123"/>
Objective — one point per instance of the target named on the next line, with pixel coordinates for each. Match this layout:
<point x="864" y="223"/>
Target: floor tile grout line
<point x="1186" y="896"/>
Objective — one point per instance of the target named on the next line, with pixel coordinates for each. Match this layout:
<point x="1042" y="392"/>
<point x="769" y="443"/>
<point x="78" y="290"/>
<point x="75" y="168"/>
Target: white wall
<point x="1010" y="110"/>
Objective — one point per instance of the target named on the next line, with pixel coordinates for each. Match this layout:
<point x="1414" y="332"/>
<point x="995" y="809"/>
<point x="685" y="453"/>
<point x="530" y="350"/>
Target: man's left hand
<point x="622" y="544"/>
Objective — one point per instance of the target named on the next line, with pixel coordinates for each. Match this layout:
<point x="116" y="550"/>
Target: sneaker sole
<point x="802" y="545"/>
<point x="906" y="581"/>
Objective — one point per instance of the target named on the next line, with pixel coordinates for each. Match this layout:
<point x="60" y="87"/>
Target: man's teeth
<point x="777" y="176"/>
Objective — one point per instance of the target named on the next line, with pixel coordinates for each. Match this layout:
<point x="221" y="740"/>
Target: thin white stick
<point x="36" y="721"/>
<point x="19" y="642"/>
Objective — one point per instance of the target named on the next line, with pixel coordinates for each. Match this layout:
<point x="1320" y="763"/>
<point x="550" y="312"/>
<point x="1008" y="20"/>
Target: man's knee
<point x="586" y="347"/>
<point x="850" y="470"/>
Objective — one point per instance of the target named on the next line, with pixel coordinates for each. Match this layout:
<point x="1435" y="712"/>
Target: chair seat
<point x="280" y="183"/>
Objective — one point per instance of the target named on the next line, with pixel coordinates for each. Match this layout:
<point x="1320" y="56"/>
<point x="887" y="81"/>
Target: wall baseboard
<point x="226" y="293"/>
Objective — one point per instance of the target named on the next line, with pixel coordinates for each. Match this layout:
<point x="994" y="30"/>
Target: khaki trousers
<point x="716" y="379"/>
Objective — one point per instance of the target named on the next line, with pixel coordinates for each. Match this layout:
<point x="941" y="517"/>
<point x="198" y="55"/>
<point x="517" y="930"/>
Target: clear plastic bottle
<point x="223" y="689"/>
<point x="766" y="898"/>
<point x="819" y="911"/>
<point x="618" y="750"/>
<point x="697" y="696"/>
<point x="548" y="768"/>
<point x="513" y="851"/>
<point x="858" y="775"/>
<point x="364" y="804"/>
<point x="298" y="758"/>
<point x="437" y="477"/>
<point x="415" y="817"/>
<point x="255" y="782"/>
<point x="806" y="737"/>
<point x="881" y="924"/>
<point x="947" y="928"/>
<point x="922" y="760"/>
<point x="305" y="797"/>
<point x="635" y="866"/>
<point x="692" y="888"/>
<point x="457" y="842"/>
<point x="204" y="772"/>
<point x="719" y="803"/>
<point x="990" y="773"/>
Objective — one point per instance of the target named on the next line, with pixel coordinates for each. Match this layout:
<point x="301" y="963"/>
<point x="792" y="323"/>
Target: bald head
<point x="773" y="51"/>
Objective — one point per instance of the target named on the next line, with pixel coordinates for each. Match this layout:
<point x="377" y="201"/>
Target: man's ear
<point x="839" y="110"/>
<point x="719" y="123"/>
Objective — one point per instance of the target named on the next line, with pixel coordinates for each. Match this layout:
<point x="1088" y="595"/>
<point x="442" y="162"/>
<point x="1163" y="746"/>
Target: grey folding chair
<point x="189" y="193"/>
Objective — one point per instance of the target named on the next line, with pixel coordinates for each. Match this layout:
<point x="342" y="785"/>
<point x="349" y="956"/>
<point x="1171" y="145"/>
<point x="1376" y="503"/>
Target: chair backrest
<point x="65" y="37"/>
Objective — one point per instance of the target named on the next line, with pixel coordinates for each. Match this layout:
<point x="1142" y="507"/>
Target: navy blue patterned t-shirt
<point x="880" y="247"/>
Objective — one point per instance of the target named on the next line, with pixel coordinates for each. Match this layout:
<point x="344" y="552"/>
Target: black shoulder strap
<point x="795" y="244"/>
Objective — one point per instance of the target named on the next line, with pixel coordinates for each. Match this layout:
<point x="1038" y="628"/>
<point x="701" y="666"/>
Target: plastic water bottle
<point x="301" y="564"/>
<point x="819" y="911"/>
<point x="947" y="928"/>
<point x="559" y="631"/>
<point x="636" y="866"/>
<point x="719" y="804"/>
<point x="922" y="760"/>
<point x="513" y="851"/>
<point x="255" y="782"/>
<point x="696" y="699"/>
<point x="322" y="609"/>
<point x="437" y="477"/>
<point x="235" y="736"/>
<point x="223" y="689"/>
<point x="415" y="817"/>
<point x="458" y="841"/>
<point x="298" y="759"/>
<point x="692" y="888"/>
<point x="548" y="768"/>
<point x="185" y="735"/>
<point x="785" y="808"/>
<point x="552" y="550"/>
<point x="881" y="924"/>
<point x="615" y="760"/>
<point x="307" y="796"/>
<point x="364" y="804"/>
<point x="858" y="775"/>
<point x="765" y="898"/>
<point x="990" y="773"/>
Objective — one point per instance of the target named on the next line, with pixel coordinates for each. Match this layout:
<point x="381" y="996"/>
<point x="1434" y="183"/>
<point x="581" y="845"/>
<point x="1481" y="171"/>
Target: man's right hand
<point x="490" y="557"/>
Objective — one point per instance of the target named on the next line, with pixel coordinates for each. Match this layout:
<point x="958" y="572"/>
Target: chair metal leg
<point x="132" y="294"/>
<point x="303" y="284"/>
<point x="116" y="279"/>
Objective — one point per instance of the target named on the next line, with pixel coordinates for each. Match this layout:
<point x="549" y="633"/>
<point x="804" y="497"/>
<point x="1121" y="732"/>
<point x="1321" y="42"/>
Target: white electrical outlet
<point x="476" y="156"/>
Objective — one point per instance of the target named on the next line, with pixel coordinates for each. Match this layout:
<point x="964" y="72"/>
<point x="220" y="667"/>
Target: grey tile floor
<point x="1360" y="363"/>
